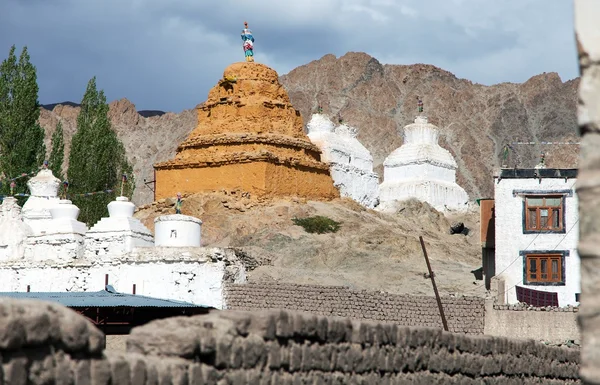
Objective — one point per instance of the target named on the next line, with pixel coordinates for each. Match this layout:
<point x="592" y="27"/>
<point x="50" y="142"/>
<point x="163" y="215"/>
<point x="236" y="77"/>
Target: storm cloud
<point x="167" y="54"/>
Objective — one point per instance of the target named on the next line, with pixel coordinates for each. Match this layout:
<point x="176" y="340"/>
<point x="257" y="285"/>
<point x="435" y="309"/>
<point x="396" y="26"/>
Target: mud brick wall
<point x="464" y="314"/>
<point x="44" y="344"/>
<point x="280" y="347"/>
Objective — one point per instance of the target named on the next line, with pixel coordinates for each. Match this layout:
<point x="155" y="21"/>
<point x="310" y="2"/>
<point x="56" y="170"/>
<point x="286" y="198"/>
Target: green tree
<point x="22" y="148"/>
<point x="97" y="159"/>
<point x="57" y="154"/>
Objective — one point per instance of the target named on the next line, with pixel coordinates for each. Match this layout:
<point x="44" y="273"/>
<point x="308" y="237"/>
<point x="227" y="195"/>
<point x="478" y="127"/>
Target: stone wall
<point x="551" y="325"/>
<point x="464" y="315"/>
<point x="43" y="343"/>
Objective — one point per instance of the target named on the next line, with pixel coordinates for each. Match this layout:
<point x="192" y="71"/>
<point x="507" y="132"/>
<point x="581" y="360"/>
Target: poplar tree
<point x="22" y="148"/>
<point x="97" y="159"/>
<point x="57" y="154"/>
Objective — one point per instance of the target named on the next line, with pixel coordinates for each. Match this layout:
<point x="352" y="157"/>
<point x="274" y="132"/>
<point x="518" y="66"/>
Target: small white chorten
<point x="63" y="239"/>
<point x="350" y="163"/>
<point x="177" y="230"/>
<point x="13" y="231"/>
<point x="43" y="190"/>
<point x="119" y="233"/>
<point x="422" y="169"/>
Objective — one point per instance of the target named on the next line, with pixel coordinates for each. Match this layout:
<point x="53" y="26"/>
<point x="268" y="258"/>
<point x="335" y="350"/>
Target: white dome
<point x="420" y="146"/>
<point x="44" y="184"/>
<point x="319" y="123"/>
<point x="350" y="163"/>
<point x="421" y="169"/>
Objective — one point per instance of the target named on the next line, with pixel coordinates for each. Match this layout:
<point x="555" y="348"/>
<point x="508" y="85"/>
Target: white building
<point x="421" y="169"/>
<point x="48" y="250"/>
<point x="536" y="234"/>
<point x="350" y="163"/>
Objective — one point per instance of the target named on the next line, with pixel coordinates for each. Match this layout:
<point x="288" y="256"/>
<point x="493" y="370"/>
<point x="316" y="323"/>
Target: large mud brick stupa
<point x="250" y="138"/>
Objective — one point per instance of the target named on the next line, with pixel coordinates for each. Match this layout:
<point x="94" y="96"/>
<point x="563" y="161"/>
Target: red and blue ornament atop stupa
<point x="248" y="43"/>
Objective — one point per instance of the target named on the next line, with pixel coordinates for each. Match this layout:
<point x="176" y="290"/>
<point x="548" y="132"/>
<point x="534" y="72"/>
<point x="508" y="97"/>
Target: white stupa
<point x="13" y="231"/>
<point x="350" y="163"/>
<point x="118" y="234"/>
<point x="422" y="169"/>
<point x="43" y="190"/>
<point x="62" y="239"/>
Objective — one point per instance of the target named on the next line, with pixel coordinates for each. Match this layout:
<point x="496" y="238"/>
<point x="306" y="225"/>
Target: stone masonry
<point x="43" y="344"/>
<point x="464" y="315"/>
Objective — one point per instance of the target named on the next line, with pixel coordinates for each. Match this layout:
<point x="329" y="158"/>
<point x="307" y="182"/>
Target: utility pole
<point x="435" y="290"/>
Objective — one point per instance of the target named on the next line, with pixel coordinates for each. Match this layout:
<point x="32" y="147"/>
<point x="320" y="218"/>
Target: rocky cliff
<point x="475" y="120"/>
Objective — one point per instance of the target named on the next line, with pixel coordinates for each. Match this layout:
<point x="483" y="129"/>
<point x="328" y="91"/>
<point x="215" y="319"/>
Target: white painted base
<point x="53" y="248"/>
<point x="359" y="185"/>
<point x="195" y="275"/>
<point x="442" y="196"/>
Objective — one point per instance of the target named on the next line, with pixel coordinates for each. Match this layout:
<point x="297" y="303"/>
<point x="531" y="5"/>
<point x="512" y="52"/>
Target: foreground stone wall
<point x="43" y="343"/>
<point x="464" y="315"/>
<point x="587" y="30"/>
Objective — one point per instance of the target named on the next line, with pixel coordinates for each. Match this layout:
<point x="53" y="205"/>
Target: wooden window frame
<point x="528" y="229"/>
<point x="548" y="256"/>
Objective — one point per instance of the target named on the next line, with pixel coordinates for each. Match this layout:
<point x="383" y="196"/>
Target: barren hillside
<point x="371" y="250"/>
<point x="476" y="120"/>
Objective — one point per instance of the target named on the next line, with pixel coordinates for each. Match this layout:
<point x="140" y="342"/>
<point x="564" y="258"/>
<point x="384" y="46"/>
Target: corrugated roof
<point x="101" y="298"/>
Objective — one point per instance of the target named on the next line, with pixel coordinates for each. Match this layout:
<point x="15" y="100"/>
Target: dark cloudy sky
<point x="166" y="54"/>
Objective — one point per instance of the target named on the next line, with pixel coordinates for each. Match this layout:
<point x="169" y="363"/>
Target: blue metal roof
<point x="103" y="298"/>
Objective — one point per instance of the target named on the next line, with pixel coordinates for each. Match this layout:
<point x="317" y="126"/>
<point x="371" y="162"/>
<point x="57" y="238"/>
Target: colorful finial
<point x="248" y="43"/>
<point x="45" y="165"/>
<point x="178" y="204"/>
<point x="419" y="105"/>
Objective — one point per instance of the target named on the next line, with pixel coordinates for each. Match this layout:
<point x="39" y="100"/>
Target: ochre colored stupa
<point x="249" y="138"/>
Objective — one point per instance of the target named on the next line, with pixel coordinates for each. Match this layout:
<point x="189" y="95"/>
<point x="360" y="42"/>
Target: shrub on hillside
<point x="317" y="224"/>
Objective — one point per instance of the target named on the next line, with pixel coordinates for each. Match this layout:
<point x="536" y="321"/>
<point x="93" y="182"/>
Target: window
<point x="544" y="213"/>
<point x="544" y="269"/>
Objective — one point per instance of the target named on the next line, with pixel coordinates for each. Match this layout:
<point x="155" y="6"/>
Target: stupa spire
<point x="248" y="43"/>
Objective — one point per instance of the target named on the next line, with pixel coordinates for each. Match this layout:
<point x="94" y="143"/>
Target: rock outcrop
<point x="249" y="137"/>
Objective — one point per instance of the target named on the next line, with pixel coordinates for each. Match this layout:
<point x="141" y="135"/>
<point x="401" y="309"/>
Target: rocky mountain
<point x="476" y="121"/>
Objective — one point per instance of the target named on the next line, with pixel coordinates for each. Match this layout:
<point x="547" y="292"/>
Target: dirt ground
<point x="370" y="251"/>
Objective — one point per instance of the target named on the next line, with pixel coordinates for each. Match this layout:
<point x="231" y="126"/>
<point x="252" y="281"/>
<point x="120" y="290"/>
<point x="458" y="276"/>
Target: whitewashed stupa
<point x="422" y="169"/>
<point x="119" y="233"/>
<point x="350" y="163"/>
<point x="13" y="231"/>
<point x="43" y="190"/>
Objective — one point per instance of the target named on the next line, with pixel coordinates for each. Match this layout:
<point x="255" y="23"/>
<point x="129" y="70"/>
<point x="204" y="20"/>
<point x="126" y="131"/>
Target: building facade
<point x="536" y="235"/>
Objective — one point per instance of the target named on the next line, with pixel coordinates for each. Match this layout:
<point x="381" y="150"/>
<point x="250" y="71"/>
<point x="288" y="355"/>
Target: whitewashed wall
<point x="510" y="238"/>
<point x="193" y="275"/>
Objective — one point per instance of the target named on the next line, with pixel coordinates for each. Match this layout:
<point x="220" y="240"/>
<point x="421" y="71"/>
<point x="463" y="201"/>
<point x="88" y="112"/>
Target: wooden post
<point x="435" y="290"/>
<point x="28" y="288"/>
<point x="105" y="280"/>
<point x="134" y="289"/>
